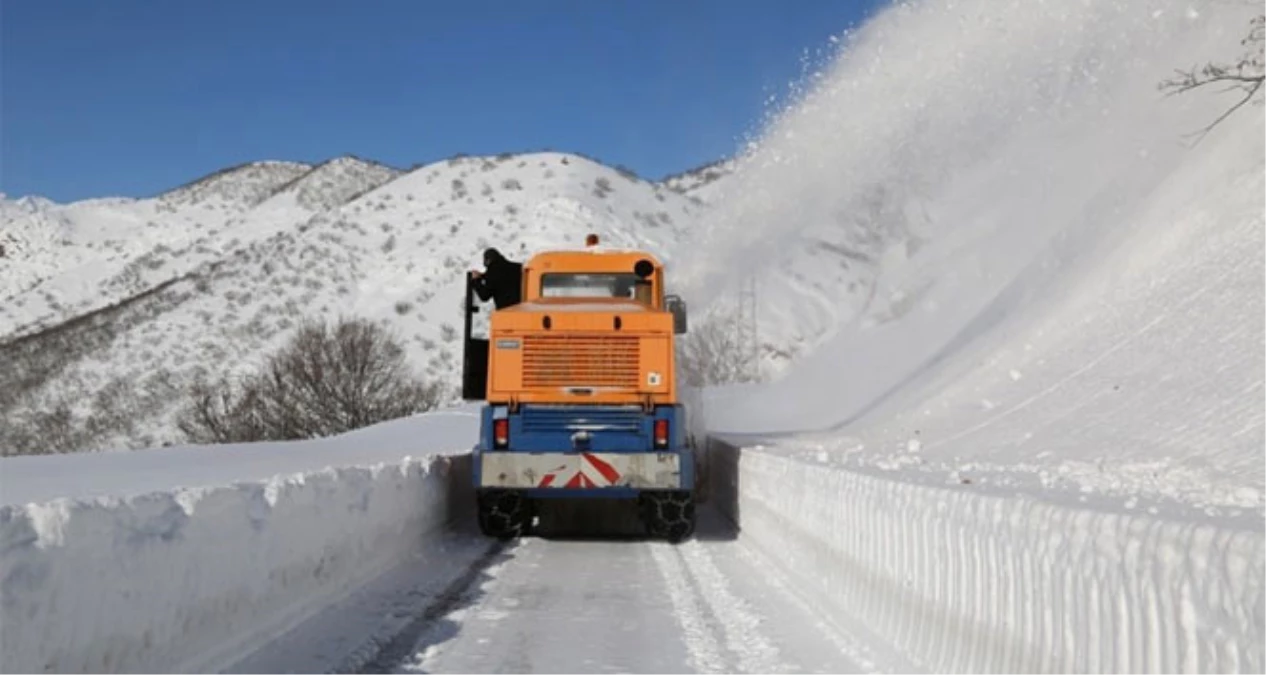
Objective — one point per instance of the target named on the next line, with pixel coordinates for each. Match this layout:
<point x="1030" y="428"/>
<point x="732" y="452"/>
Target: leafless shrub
<point x="602" y="188"/>
<point x="646" y="218"/>
<point x="221" y="412"/>
<point x="326" y="380"/>
<point x="110" y="419"/>
<point x="44" y="432"/>
<point x="712" y="353"/>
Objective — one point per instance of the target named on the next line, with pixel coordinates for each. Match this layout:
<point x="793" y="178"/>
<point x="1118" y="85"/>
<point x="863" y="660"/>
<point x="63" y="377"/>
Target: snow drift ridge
<point x="965" y="581"/>
<point x="191" y="580"/>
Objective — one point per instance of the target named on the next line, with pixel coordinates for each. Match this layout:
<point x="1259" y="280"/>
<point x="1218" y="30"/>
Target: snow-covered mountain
<point x="115" y="304"/>
<point x="95" y="253"/>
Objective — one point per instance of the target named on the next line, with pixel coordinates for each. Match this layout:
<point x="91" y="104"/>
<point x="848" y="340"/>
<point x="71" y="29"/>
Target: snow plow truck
<point x="582" y="398"/>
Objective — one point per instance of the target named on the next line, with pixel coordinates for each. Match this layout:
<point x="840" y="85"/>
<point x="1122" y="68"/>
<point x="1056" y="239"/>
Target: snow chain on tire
<point x="670" y="515"/>
<point x="503" y="514"/>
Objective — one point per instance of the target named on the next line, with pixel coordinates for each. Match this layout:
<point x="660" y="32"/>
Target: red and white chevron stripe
<point x="566" y="470"/>
<point x="592" y="471"/>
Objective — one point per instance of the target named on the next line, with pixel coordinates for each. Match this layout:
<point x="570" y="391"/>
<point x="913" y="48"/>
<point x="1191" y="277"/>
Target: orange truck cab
<point x="581" y="391"/>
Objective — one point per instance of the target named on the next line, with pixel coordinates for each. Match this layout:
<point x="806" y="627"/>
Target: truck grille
<point x="580" y="361"/>
<point x="549" y="419"/>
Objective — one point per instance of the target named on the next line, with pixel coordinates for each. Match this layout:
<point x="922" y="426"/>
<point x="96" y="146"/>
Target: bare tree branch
<point x="1246" y="75"/>
<point x="712" y="354"/>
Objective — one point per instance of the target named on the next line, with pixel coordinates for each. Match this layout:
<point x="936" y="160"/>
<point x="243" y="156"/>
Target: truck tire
<point x="668" y="515"/>
<point x="504" y="514"/>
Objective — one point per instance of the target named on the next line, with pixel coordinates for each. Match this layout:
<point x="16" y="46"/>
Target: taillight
<point x="661" y="433"/>
<point x="501" y="433"/>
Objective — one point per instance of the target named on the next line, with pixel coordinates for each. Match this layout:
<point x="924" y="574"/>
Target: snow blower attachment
<point x="581" y="393"/>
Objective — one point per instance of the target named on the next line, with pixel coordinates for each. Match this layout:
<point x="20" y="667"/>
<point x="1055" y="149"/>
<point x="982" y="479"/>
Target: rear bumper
<point x="584" y="473"/>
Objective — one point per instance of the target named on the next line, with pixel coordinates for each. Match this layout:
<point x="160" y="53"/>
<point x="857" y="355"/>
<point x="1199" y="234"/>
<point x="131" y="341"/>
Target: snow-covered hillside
<point x="701" y="183"/>
<point x="66" y="260"/>
<point x="128" y="300"/>
<point x="1012" y="266"/>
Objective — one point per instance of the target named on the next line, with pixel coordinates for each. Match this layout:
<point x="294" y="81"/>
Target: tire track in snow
<point x="705" y="653"/>
<point x="743" y="637"/>
<point x="843" y="640"/>
<point x="394" y="653"/>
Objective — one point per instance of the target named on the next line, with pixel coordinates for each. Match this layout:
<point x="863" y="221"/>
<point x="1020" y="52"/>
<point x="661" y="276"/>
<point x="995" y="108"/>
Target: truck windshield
<point x="590" y="285"/>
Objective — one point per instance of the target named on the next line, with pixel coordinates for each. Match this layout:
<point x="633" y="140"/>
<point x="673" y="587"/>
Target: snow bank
<point x="192" y="579"/>
<point x="966" y="581"/>
<point x="44" y="478"/>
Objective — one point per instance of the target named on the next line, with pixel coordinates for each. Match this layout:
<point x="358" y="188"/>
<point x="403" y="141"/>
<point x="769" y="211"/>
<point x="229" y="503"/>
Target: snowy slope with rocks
<point x="703" y="182"/>
<point x="209" y="276"/>
<point x="66" y="260"/>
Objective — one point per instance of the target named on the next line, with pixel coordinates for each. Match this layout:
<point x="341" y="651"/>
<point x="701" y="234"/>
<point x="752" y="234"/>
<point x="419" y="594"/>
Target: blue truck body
<point x="569" y="431"/>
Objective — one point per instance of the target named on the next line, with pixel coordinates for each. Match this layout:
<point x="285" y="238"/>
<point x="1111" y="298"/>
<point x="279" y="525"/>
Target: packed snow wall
<point x="191" y="580"/>
<point x="961" y="580"/>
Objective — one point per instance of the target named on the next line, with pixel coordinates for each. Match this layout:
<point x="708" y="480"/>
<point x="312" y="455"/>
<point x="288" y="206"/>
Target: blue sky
<point x="132" y="97"/>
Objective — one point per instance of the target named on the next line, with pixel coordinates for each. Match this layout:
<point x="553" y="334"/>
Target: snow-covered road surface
<point x="607" y="603"/>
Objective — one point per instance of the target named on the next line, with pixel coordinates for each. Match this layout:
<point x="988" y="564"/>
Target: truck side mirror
<point x="677" y="306"/>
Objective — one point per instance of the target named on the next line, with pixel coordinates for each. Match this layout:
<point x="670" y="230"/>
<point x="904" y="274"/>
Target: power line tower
<point x="745" y="328"/>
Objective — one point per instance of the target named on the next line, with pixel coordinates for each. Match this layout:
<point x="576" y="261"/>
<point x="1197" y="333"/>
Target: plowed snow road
<point x="576" y="604"/>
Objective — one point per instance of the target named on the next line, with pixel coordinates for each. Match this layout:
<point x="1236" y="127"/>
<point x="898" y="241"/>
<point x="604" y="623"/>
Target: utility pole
<point x="748" y="346"/>
<point x="755" y="336"/>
